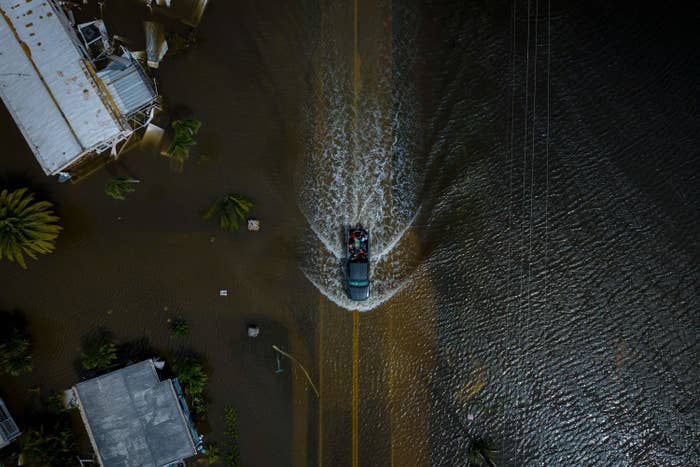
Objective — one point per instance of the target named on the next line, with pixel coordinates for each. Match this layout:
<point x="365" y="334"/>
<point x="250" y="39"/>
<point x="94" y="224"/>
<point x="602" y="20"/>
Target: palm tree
<point x="482" y="453"/>
<point x="15" y="356"/>
<point x="117" y="186"/>
<point x="26" y="226"/>
<point x="48" y="448"/>
<point x="179" y="149"/>
<point x="99" y="357"/>
<point x="190" y="373"/>
<point x="179" y="328"/>
<point x="232" y="208"/>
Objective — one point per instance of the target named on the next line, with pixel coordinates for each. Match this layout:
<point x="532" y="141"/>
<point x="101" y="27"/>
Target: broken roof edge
<point x="99" y="148"/>
<point x="8" y="423"/>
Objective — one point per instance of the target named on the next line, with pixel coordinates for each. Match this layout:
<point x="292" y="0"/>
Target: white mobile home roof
<point x="46" y="85"/>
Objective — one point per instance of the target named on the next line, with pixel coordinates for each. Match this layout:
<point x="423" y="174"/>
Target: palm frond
<point x="27" y="227"/>
<point x="231" y="209"/>
<point x="179" y="148"/>
<point x="118" y="186"/>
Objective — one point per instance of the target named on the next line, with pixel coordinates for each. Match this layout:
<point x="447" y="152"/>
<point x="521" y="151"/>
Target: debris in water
<point x="253" y="225"/>
<point x="223" y="293"/>
<point x="156" y="45"/>
<point x="253" y="330"/>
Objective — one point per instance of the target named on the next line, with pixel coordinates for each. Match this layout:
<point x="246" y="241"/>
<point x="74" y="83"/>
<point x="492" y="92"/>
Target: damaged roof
<point x="49" y="86"/>
<point x="8" y="427"/>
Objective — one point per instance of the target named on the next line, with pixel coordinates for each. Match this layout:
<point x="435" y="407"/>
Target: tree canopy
<point x="27" y="227"/>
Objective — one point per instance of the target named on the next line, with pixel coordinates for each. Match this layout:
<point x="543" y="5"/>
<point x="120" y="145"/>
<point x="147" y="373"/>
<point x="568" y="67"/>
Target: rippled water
<point x="546" y="157"/>
<point x="359" y="166"/>
<point x="530" y="176"/>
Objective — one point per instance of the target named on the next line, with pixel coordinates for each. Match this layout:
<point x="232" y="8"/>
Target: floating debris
<point x="253" y="330"/>
<point x="156" y="45"/>
<point x="253" y="225"/>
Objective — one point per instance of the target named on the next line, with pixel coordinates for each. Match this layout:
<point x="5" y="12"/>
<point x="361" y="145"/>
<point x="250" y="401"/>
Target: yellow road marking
<point x="355" y="387"/>
<point x="356" y="314"/>
<point x="320" y="382"/>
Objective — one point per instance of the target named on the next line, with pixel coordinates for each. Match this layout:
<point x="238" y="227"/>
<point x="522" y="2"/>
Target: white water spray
<point x="357" y="170"/>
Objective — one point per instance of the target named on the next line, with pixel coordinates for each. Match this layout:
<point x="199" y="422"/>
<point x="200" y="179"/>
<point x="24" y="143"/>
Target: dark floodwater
<point x="531" y="174"/>
<point x="563" y="233"/>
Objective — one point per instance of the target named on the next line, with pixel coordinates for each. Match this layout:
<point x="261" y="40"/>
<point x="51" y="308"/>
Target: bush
<point x="99" y="357"/>
<point x="55" y="448"/>
<point x="118" y="186"/>
<point x="27" y="227"/>
<point x="212" y="453"/>
<point x="179" y="328"/>
<point x="193" y="379"/>
<point x="233" y="458"/>
<point x="179" y="149"/>
<point x="15" y="356"/>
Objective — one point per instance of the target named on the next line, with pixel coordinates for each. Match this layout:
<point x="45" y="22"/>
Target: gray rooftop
<point x="47" y="85"/>
<point x="8" y="428"/>
<point x="134" y="419"/>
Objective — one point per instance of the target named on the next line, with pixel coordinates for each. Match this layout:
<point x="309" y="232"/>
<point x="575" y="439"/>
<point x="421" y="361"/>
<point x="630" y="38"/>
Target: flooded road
<point x="530" y="175"/>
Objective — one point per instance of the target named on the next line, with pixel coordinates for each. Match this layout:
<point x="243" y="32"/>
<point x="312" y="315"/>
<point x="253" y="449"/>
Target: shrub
<point x="116" y="187"/>
<point x="55" y="448"/>
<point x="15" y="357"/>
<point x="27" y="227"/>
<point x="193" y="379"/>
<point x="179" y="149"/>
<point x="99" y="357"/>
<point x="179" y="328"/>
<point x="233" y="458"/>
<point x="212" y="453"/>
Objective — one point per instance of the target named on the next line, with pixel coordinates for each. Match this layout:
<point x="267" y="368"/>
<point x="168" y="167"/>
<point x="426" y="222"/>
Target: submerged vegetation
<point x="27" y="227"/>
<point x="50" y="448"/>
<point x="190" y="373"/>
<point x="179" y="149"/>
<point x="49" y="441"/>
<point x="15" y="356"/>
<point x="232" y="457"/>
<point x="231" y="210"/>
<point x="99" y="357"/>
<point x="179" y="43"/>
<point x="482" y="453"/>
<point x="179" y="328"/>
<point x="212" y="453"/>
<point x="118" y="186"/>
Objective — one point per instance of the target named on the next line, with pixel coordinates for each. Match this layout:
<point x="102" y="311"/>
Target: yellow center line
<point x="356" y="81"/>
<point x="356" y="314"/>
<point x="320" y="383"/>
<point x="355" y="387"/>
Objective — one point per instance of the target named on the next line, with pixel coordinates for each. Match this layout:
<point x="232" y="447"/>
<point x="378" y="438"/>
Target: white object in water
<point x="156" y="45"/>
<point x="253" y="225"/>
<point x="223" y="293"/>
<point x="253" y="330"/>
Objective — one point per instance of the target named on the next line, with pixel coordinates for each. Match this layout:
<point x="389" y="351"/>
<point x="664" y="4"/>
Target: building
<point x="8" y="427"/>
<point x="134" y="418"/>
<point x="73" y="95"/>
